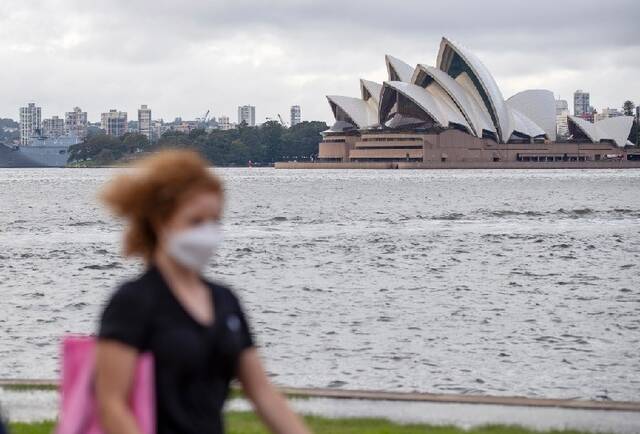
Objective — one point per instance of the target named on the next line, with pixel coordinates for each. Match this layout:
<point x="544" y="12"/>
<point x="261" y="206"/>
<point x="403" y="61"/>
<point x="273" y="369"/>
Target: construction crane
<point x="203" y="120"/>
<point x="284" y="124"/>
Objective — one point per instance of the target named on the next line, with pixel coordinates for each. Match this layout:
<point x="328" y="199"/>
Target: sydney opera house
<point x="455" y="112"/>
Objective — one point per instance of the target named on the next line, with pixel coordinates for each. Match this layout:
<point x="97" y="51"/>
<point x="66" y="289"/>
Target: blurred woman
<point x="195" y="329"/>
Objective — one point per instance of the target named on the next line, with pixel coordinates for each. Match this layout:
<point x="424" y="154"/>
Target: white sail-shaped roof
<point x="519" y="123"/>
<point x="539" y="105"/>
<point x="370" y="89"/>
<point x="448" y="106"/>
<point x="615" y="129"/>
<point x="454" y="59"/>
<point x="355" y="111"/>
<point x="461" y="92"/>
<point x="465" y="81"/>
<point x="398" y="70"/>
<point x="588" y="128"/>
<point x="434" y="105"/>
<point x="471" y="108"/>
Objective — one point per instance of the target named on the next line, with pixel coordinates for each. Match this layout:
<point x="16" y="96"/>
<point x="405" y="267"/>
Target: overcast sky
<point x="183" y="57"/>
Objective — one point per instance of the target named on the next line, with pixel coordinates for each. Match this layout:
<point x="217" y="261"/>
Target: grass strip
<point x="246" y="422"/>
<point x="17" y="387"/>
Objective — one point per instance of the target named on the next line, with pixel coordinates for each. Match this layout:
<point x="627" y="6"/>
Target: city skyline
<point x="291" y="53"/>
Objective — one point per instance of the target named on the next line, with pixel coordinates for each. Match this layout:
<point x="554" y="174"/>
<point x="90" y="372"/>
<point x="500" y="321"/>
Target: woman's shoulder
<point x="134" y="292"/>
<point x="126" y="316"/>
<point x="224" y="294"/>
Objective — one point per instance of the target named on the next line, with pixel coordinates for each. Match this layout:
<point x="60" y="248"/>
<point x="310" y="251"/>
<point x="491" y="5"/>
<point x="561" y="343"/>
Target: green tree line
<point x="261" y="145"/>
<point x="628" y="109"/>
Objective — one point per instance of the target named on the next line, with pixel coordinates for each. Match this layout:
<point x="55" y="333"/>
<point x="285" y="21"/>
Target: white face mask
<point x="194" y="247"/>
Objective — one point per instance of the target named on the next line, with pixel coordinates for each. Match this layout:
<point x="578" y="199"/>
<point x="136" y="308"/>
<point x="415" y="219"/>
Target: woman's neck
<point x="176" y="274"/>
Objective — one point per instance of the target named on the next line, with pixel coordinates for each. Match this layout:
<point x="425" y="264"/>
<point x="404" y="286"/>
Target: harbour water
<point x="472" y="281"/>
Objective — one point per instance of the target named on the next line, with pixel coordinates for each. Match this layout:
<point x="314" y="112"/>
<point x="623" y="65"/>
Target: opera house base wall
<point x="623" y="164"/>
<point x="334" y="165"/>
<point x="524" y="165"/>
<point x="453" y="149"/>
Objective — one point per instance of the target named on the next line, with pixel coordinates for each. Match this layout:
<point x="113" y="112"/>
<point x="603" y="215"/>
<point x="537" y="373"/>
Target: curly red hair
<point x="149" y="196"/>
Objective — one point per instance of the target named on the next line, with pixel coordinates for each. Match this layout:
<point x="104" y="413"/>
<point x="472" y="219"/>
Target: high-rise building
<point x="114" y="123"/>
<point x="295" y="115"/>
<point x="30" y="118"/>
<point x="75" y="123"/>
<point x="611" y="112"/>
<point x="158" y="128"/>
<point x="53" y="127"/>
<point x="581" y="103"/>
<point x="561" y="106"/>
<point x="185" y="127"/>
<point x="223" y="123"/>
<point x="247" y="114"/>
<point x="144" y="121"/>
<point x="562" y="112"/>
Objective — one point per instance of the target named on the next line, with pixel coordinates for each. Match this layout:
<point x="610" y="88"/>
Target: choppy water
<point x="499" y="282"/>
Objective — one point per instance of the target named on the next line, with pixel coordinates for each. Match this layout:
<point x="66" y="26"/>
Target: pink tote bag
<point x="78" y="409"/>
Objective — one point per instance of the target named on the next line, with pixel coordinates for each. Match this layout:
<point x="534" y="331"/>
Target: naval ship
<point x="42" y="152"/>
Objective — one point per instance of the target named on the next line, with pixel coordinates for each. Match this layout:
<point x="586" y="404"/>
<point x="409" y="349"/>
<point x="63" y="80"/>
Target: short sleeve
<point x="246" y="337"/>
<point x="125" y="317"/>
<point x="237" y="322"/>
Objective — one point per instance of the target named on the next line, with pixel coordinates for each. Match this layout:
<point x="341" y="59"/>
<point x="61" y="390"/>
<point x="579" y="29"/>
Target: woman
<point x="195" y="329"/>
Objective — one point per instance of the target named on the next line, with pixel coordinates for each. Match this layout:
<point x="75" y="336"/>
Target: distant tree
<point x="271" y="137"/>
<point x="93" y="146"/>
<point x="193" y="134"/>
<point x="250" y="137"/>
<point x="8" y="123"/>
<point x="105" y="156"/>
<point x="628" y="108"/>
<point x="241" y="153"/>
<point x="134" y="142"/>
<point x="94" y="131"/>
<point x="264" y="144"/>
<point x="300" y="142"/>
<point x="9" y="132"/>
<point x="174" y="139"/>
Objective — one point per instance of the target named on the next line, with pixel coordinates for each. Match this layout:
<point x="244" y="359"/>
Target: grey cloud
<point x="184" y="56"/>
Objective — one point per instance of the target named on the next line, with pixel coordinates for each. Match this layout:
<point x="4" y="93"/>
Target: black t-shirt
<point x="194" y="363"/>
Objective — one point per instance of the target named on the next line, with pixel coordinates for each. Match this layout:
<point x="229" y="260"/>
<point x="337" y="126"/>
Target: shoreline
<point x="402" y="165"/>
<point x="381" y="395"/>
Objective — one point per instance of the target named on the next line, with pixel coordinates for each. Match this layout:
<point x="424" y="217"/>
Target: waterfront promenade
<point x="36" y="400"/>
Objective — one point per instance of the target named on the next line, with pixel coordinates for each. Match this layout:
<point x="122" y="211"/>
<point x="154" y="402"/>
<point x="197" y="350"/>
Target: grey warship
<point x="40" y="152"/>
